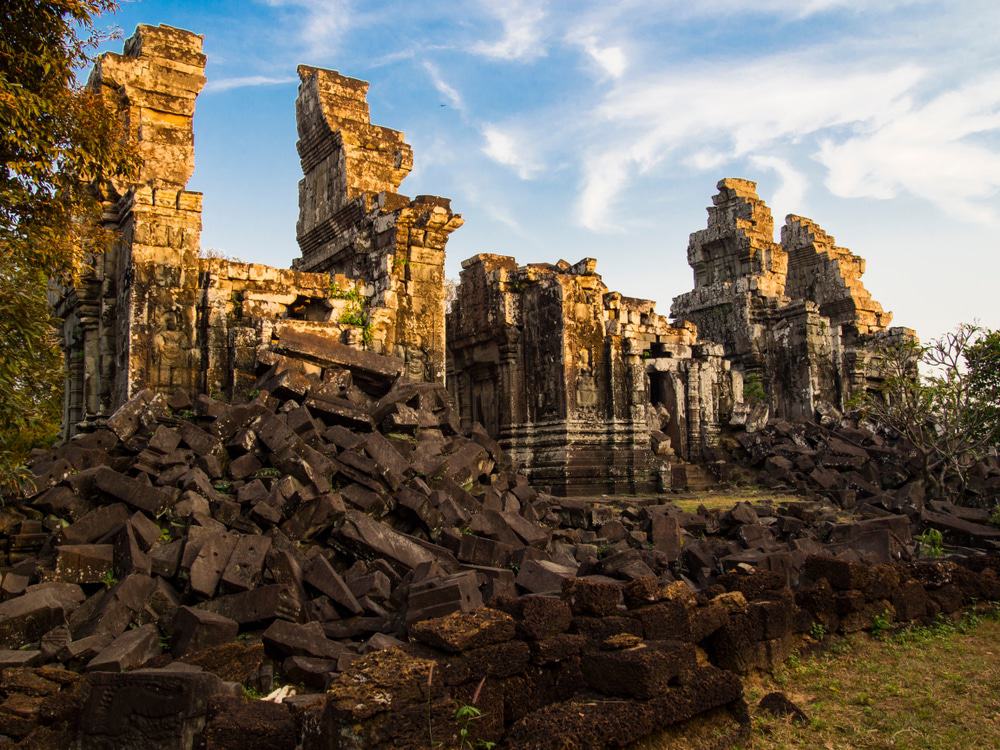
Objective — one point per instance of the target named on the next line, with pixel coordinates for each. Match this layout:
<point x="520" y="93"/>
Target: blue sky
<point x="573" y="129"/>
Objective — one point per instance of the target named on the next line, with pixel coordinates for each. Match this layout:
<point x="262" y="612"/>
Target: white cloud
<point x="705" y="159"/>
<point x="508" y="148"/>
<point x="239" y="82"/>
<point x="522" y="37"/>
<point x="610" y="59"/>
<point x="323" y="22"/>
<point x="796" y="9"/>
<point x="443" y="87"/>
<point x="717" y="113"/>
<point x="603" y="180"/>
<point x="930" y="150"/>
<point x="789" y="198"/>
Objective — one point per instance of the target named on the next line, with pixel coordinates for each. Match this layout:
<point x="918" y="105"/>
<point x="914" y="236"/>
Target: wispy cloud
<point x="716" y="116"/>
<point x="793" y="9"/>
<point x="321" y="24"/>
<point x="509" y="148"/>
<point x="610" y="59"/>
<point x="934" y="150"/>
<point x="522" y="38"/>
<point x="790" y="195"/>
<point x="449" y="92"/>
<point x="241" y="82"/>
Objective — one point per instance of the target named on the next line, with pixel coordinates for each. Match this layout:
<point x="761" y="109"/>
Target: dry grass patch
<point x="933" y="688"/>
<point x="726" y="499"/>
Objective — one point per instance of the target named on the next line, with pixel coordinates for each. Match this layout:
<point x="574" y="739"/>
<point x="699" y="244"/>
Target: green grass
<point x="935" y="687"/>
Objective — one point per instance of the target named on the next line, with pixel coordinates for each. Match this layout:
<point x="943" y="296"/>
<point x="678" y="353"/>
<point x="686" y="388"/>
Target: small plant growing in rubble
<point x="466" y="715"/>
<point x="880" y="624"/>
<point x="995" y="515"/>
<point x="931" y="543"/>
<point x="109" y="579"/>
<point x="817" y="631"/>
<point x="753" y="389"/>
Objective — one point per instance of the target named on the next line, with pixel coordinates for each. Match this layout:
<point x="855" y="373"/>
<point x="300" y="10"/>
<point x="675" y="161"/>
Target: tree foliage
<point x="942" y="398"/>
<point x="60" y="144"/>
<point x="983" y="361"/>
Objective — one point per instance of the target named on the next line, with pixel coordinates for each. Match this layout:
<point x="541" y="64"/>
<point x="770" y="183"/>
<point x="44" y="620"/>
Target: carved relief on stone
<point x="171" y="351"/>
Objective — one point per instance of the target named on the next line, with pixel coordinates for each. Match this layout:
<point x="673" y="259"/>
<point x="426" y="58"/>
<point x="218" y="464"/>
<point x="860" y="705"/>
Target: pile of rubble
<point x="333" y="543"/>
<point x="870" y="474"/>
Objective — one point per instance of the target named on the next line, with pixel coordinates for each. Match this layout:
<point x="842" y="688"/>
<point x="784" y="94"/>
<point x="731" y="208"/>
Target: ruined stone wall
<point x="151" y="313"/>
<point x="795" y="315"/>
<point x="131" y="321"/>
<point x="352" y="220"/>
<point x="581" y="385"/>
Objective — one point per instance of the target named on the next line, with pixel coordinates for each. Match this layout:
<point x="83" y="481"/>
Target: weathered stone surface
<point x="261" y="604"/>
<point x="131" y="650"/>
<point x="464" y="631"/>
<point x="148" y="708"/>
<point x="28" y="617"/>
<point x="574" y="380"/>
<point x="794" y="316"/>
<point x="130" y="491"/>
<point x="84" y="563"/>
<point x="196" y="629"/>
<point x="152" y="317"/>
<point x="291" y="639"/>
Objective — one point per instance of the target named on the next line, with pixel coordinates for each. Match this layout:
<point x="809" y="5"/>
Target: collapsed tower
<point x="793" y="315"/>
<point x="151" y="313"/>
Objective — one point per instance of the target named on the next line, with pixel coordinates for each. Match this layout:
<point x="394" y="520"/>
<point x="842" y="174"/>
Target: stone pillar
<point x="129" y="319"/>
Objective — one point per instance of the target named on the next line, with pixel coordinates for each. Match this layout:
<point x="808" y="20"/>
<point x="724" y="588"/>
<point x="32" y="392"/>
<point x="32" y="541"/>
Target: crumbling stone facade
<point x="581" y="384"/>
<point x="590" y="390"/>
<point x="151" y="313"/>
<point x="353" y="221"/>
<point x="794" y="314"/>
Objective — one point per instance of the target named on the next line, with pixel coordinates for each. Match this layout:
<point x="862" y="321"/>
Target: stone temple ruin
<point x="153" y="314"/>
<point x="794" y="314"/>
<point x="589" y="390"/>
<point x="270" y="491"/>
<point x="593" y="391"/>
<point x="581" y="384"/>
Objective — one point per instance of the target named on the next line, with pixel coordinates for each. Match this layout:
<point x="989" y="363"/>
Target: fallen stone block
<point x="159" y="710"/>
<point x="130" y="491"/>
<point x="643" y="672"/>
<point x="462" y="631"/>
<point x="84" y="563"/>
<point x="321" y="575"/>
<point x="437" y="597"/>
<point x="20" y="658"/>
<point x="129" y="556"/>
<point x="197" y="629"/>
<point x="211" y="563"/>
<point x="380" y="540"/>
<point x="309" y="671"/>
<point x="26" y="618"/>
<point x="258" y="605"/>
<point x="246" y="562"/>
<point x="543" y="616"/>
<point x="234" y="724"/>
<point x="129" y="651"/>
<point x="543" y="576"/>
<point x="97" y="525"/>
<point x="778" y="704"/>
<point x="283" y="639"/>
<point x="593" y="595"/>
